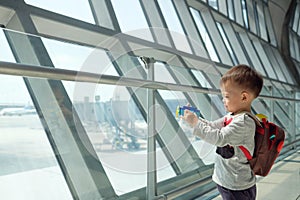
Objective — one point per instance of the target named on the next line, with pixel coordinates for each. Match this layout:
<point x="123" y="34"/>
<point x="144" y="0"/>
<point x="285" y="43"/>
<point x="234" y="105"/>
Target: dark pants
<point x="248" y="194"/>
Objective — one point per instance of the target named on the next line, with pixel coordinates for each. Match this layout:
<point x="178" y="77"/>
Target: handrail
<point x="33" y="71"/>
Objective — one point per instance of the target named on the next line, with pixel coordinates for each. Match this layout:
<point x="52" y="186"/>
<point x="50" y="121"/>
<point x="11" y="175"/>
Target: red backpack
<point x="269" y="139"/>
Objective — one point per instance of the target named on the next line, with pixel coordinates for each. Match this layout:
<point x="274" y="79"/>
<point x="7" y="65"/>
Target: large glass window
<point x="261" y="21"/>
<point x="296" y="19"/>
<point x="174" y="25"/>
<point x="264" y="59"/>
<point x="6" y="54"/>
<point x="205" y="36"/>
<point x="79" y="10"/>
<point x="227" y="44"/>
<point x="127" y="13"/>
<point x="28" y="163"/>
<point x="231" y="12"/>
<point x="80" y="58"/>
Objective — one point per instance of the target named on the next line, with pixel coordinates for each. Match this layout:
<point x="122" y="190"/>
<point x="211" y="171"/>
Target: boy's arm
<point x="233" y="134"/>
<point x="192" y="119"/>
<point x="219" y="123"/>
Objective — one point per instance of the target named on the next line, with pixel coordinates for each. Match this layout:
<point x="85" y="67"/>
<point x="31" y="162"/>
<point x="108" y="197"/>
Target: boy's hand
<point x="190" y="117"/>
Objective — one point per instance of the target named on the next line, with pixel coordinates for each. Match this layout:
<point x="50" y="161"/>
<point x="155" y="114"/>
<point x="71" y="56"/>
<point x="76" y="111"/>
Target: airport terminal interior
<point x="91" y="92"/>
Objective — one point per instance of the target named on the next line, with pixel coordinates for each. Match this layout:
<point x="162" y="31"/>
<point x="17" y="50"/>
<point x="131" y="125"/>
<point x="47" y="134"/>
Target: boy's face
<point x="235" y="98"/>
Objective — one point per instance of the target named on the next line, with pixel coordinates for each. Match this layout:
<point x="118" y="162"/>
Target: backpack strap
<point x="246" y="152"/>
<point x="257" y="122"/>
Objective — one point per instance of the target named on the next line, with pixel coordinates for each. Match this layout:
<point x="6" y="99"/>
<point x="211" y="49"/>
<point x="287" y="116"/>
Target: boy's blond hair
<point x="245" y="77"/>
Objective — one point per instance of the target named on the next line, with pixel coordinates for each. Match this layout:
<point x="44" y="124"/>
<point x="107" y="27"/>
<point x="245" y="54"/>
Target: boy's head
<point x="240" y="86"/>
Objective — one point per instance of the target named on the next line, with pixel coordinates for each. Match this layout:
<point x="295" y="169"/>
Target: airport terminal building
<point x="90" y="92"/>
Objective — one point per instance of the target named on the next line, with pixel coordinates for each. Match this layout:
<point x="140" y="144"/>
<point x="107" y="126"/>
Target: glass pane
<point x="238" y="11"/>
<point x="126" y="13"/>
<point x="231" y="9"/>
<point x="200" y="76"/>
<point x="227" y="44"/>
<point x="80" y="58"/>
<point x="269" y="23"/>
<point x="6" y="54"/>
<point x="28" y="163"/>
<point x="117" y="131"/>
<point x="252" y="53"/>
<point x="174" y="100"/>
<point x="79" y="10"/>
<point x="162" y="74"/>
<point x="213" y="3"/>
<point x="204" y="34"/>
<point x="296" y="19"/>
<point x="275" y="62"/>
<point x="262" y="22"/>
<point x="297" y="118"/>
<point x="174" y="25"/>
<point x="264" y="59"/>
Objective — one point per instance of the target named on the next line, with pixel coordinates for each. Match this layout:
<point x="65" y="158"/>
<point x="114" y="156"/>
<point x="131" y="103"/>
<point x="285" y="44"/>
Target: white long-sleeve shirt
<point x="233" y="173"/>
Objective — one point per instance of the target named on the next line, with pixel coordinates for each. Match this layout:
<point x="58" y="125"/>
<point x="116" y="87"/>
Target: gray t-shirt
<point x="233" y="173"/>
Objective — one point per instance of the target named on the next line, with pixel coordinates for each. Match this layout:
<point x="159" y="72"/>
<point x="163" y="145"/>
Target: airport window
<point x="231" y="12"/>
<point x="116" y="129"/>
<point x="297" y="112"/>
<point x="80" y="58"/>
<point x="213" y="4"/>
<point x="174" y="25"/>
<point x="28" y="162"/>
<point x="223" y="7"/>
<point x="6" y="54"/>
<point x="127" y="19"/>
<point x="245" y="13"/>
<point x="282" y="115"/>
<point x="239" y="12"/>
<point x="211" y="27"/>
<point x="248" y="46"/>
<point x="271" y="35"/>
<point x="227" y="44"/>
<point x="296" y="19"/>
<point x="296" y="47"/>
<point x="202" y="79"/>
<point x="264" y="59"/>
<point x="261" y="21"/>
<point x="87" y="138"/>
<point x="162" y="74"/>
<point x="205" y="36"/>
<point x="291" y="45"/>
<point x="80" y="10"/>
<point x="274" y="61"/>
<point x="250" y="15"/>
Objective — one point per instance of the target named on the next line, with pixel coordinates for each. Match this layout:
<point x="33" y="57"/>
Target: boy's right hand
<point x="190" y="118"/>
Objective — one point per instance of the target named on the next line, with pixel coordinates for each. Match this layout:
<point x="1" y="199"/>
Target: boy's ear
<point x="245" y="96"/>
